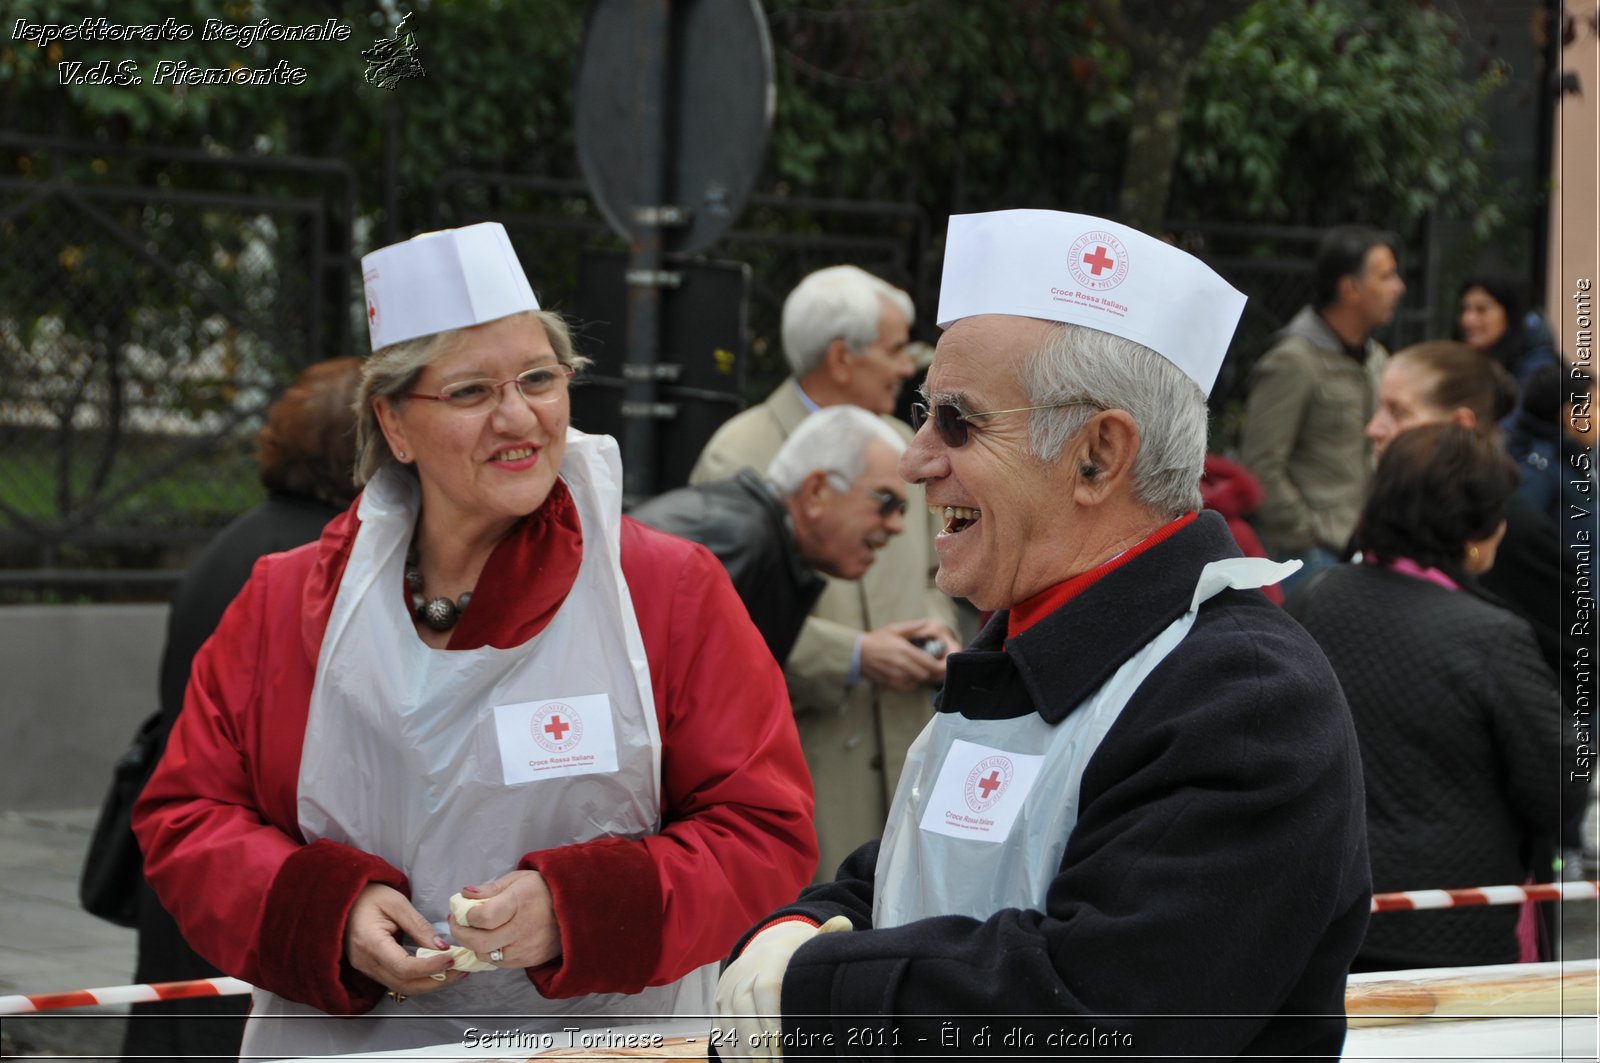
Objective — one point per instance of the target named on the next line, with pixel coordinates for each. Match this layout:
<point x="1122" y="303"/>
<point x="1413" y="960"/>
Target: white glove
<point x="750" y="993"/>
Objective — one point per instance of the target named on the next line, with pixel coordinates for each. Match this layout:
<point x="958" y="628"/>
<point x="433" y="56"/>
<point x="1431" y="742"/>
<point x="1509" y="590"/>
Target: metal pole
<point x="652" y="39"/>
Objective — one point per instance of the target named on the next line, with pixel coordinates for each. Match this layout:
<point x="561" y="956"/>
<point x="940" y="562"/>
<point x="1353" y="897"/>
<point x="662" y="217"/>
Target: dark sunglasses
<point x="953" y="425"/>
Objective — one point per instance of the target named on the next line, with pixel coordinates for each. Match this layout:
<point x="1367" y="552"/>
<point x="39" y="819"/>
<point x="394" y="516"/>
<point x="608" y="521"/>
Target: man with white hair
<point x="861" y="689"/>
<point x="831" y="500"/>
<point x="1136" y="820"/>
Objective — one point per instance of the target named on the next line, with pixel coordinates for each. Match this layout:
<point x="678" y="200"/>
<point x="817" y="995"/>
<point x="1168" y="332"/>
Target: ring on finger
<point x="496" y="955"/>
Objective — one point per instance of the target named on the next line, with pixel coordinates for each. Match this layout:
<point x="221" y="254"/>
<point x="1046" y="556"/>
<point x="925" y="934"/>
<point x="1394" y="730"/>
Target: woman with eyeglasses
<point x="487" y="748"/>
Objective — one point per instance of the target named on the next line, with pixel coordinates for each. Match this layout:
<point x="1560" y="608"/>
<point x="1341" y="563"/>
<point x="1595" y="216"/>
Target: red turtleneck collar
<point x="1032" y="610"/>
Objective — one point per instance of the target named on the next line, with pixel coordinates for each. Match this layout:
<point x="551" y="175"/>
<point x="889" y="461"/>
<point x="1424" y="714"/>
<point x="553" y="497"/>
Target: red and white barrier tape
<point x="123" y="994"/>
<point x="1414" y="900"/>
<point x="1417" y="900"/>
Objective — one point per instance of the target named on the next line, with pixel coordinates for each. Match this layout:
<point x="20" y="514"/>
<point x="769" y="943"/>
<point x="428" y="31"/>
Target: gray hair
<point x="832" y="440"/>
<point x="837" y="303"/>
<point x="392" y="371"/>
<point x="1075" y="362"/>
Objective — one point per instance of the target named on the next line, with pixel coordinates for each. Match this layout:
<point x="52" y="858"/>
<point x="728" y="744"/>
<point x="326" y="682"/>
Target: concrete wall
<point x="75" y="680"/>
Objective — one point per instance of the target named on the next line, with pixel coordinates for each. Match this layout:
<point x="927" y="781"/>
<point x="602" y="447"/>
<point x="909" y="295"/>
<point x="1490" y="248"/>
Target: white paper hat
<point x="448" y="279"/>
<point x="1088" y="271"/>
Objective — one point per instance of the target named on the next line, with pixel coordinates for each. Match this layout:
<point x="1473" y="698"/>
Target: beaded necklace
<point x="439" y="613"/>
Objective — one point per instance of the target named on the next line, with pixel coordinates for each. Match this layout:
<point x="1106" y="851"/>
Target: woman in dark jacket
<point x="1492" y="318"/>
<point x="1458" y="716"/>
<point x="1544" y="440"/>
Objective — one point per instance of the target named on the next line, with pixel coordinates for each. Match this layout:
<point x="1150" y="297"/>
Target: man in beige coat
<point x="862" y="690"/>
<point x="1311" y="396"/>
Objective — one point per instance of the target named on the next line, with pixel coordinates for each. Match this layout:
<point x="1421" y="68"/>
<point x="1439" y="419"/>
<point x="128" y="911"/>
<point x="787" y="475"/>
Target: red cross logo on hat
<point x="369" y="279"/>
<point x="556" y="727"/>
<point x="1105" y="257"/>
<point x="988" y="781"/>
<point x="1097" y="262"/>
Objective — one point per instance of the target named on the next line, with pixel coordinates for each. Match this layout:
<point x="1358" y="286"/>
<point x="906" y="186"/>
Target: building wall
<point x="1574" y="246"/>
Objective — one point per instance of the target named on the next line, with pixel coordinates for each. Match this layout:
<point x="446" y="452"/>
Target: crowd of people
<point x="487" y="745"/>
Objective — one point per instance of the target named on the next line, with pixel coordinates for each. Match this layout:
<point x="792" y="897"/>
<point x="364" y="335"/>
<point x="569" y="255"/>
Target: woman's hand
<point x="379" y="913"/>
<point x="517" y="918"/>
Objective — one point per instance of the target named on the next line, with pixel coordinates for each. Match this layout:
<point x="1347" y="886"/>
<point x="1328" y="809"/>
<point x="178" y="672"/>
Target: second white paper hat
<point x="1088" y="271"/>
<point x="443" y="280"/>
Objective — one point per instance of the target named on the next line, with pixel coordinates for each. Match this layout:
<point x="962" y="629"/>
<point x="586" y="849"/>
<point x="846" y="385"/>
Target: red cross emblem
<point x="1099" y="261"/>
<point x="556" y="727"/>
<point x="372" y="313"/>
<point x="987" y="781"/>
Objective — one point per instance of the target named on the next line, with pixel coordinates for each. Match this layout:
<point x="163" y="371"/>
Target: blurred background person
<point x="1445" y="381"/>
<point x="483" y="704"/>
<point x="306" y="452"/>
<point x="1548" y="438"/>
<point x="1230" y="489"/>
<point x="1458" y="716"/>
<point x="1493" y="318"/>
<point x="1534" y="573"/>
<point x="1311" y="392"/>
<point x="861" y="691"/>
<point x="831" y="500"/>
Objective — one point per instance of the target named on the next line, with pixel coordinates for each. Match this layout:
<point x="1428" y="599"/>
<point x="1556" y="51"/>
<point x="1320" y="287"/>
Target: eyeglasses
<point x="953" y="425"/>
<point x="540" y="383"/>
<point x="889" y="503"/>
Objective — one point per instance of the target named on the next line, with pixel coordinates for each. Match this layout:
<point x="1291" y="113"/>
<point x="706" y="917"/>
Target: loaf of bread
<point x="1495" y="996"/>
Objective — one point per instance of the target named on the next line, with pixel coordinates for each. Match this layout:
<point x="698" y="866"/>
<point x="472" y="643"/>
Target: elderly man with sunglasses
<point x="830" y="501"/>
<point x="861" y="688"/>
<point x="1135" y="822"/>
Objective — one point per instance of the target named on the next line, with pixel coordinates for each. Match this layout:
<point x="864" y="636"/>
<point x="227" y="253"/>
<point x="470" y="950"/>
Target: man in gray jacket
<point x="1311" y="395"/>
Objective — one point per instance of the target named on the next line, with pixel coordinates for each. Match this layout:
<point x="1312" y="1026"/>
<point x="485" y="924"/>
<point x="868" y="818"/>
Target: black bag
<point x="113" y="868"/>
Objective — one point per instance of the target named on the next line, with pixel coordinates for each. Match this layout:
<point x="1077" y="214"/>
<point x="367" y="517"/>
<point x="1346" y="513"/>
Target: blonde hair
<point x="392" y="371"/>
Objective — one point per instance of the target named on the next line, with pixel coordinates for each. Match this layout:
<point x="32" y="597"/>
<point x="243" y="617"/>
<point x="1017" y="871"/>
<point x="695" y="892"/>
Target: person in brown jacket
<point x="1312" y="393"/>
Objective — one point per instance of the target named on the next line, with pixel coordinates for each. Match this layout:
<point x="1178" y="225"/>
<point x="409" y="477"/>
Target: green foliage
<point x="1301" y="111"/>
<point x="951" y="104"/>
<point x="496" y="94"/>
<point x="1315" y="112"/>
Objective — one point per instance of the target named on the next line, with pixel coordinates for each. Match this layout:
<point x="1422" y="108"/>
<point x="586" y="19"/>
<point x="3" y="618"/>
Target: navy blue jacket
<point x="1214" y="889"/>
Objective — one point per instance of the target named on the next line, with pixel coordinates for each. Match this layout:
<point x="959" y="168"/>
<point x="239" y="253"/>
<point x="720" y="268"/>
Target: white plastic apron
<point x="402" y="760"/>
<point x="925" y="872"/>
